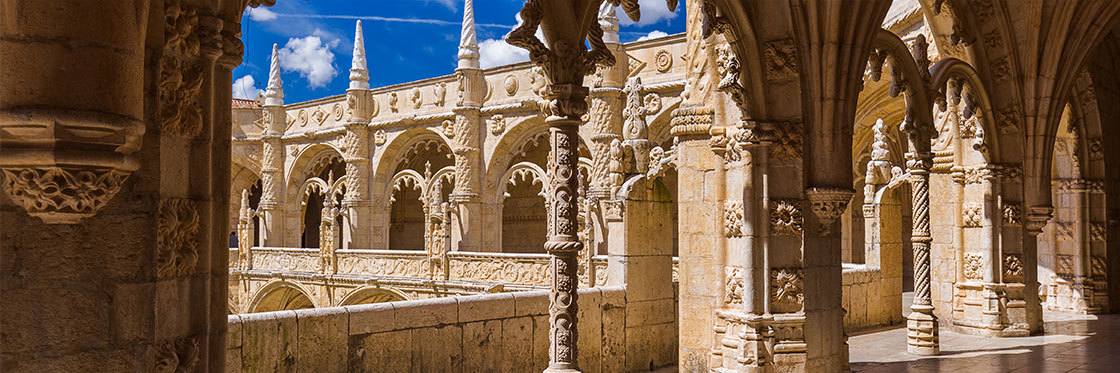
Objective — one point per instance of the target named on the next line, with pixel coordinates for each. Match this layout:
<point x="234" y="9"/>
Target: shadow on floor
<point x="1082" y="344"/>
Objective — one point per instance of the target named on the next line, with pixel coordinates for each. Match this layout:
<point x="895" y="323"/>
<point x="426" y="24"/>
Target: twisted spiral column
<point x="921" y="325"/>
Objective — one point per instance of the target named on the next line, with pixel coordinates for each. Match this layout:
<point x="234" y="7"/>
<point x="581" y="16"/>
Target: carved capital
<point x="828" y="204"/>
<point x="62" y="195"/>
<point x="1037" y="217"/>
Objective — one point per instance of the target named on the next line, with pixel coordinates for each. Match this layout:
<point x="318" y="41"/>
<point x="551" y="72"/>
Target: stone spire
<point x="274" y="94"/>
<point x="468" y="43"/>
<point x="608" y="20"/>
<point x="359" y="75"/>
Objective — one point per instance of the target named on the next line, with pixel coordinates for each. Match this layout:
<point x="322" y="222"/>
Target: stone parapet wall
<point x="863" y="299"/>
<point x="479" y="333"/>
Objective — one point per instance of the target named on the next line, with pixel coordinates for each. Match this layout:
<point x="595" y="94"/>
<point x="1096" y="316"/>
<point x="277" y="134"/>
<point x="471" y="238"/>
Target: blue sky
<point x="406" y="40"/>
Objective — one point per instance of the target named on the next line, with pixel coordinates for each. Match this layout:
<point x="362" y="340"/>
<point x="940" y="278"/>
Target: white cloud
<point x="246" y="88"/>
<point x="653" y="35"/>
<point x="311" y="58"/>
<point x="496" y="52"/>
<point x="260" y="14"/>
<point x="450" y="4"/>
<point x="653" y="11"/>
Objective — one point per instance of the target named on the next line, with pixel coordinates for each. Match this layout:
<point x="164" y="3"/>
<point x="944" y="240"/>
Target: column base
<point x="922" y="331"/>
<point x="759" y="343"/>
<point x="561" y="370"/>
<point x="990" y="310"/>
<point x="1077" y="294"/>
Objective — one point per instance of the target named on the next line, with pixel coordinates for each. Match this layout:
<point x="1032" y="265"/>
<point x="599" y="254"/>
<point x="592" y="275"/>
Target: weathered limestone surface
<point x="494" y="332"/>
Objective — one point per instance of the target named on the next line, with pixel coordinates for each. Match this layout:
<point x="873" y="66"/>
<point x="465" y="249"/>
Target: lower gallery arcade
<point x="785" y="186"/>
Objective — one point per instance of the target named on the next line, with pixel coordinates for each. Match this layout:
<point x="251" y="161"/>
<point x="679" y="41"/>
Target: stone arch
<point x="529" y="130"/>
<point x="281" y="295"/>
<point x="311" y="162"/>
<point x="659" y="126"/>
<point x="370" y="295"/>
<point x="386" y="167"/>
<point x="522" y="193"/>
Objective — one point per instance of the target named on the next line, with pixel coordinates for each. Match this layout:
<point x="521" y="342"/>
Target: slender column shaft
<point x="562" y="241"/>
<point x="922" y="333"/>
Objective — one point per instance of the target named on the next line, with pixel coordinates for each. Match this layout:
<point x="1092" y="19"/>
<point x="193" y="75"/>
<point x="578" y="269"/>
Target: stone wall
<point x="864" y="305"/>
<point x="479" y="333"/>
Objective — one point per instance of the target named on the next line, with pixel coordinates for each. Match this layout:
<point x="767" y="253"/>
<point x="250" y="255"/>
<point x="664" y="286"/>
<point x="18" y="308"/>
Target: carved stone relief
<point x="663" y="60"/>
<point x="973" y="214"/>
<point x="393" y="100"/>
<point x="510" y="85"/>
<point x="62" y="195"/>
<point x="732" y="285"/>
<point x="379" y="137"/>
<point x="178" y="224"/>
<point x="787" y="287"/>
<point x="781" y="59"/>
<point x="439" y="91"/>
<point x="496" y="124"/>
<point x="733" y="219"/>
<point x="1012" y="214"/>
<point x="415" y="98"/>
<point x="973" y="266"/>
<point x="653" y="103"/>
<point x="1008" y="119"/>
<point x="1097" y="232"/>
<point x="448" y="127"/>
<point x="1012" y="268"/>
<point x="1065" y="264"/>
<point x="176" y="356"/>
<point x="785" y="217"/>
<point x="1063" y="231"/>
<point x="1098" y="268"/>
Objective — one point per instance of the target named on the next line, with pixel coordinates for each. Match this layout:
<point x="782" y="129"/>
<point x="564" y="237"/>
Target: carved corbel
<point x="828" y="204"/>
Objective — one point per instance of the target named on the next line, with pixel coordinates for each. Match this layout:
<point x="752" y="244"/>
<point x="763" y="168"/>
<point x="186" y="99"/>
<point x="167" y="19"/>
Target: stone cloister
<point x="740" y="197"/>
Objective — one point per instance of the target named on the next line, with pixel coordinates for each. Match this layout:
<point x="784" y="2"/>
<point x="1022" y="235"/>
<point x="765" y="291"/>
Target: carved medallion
<point x="663" y="60"/>
<point x="448" y="127"/>
<point x="510" y="84"/>
<point x="785" y="217"/>
<point x="653" y="103"/>
<point x="1012" y="268"/>
<point x="415" y="98"/>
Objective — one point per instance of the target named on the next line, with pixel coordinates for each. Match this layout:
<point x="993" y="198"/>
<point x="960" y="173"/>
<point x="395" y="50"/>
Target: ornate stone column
<point x="466" y="195"/>
<point x="356" y="151"/>
<point x="565" y="61"/>
<point x="245" y="233"/>
<point x="272" y="158"/>
<point x="921" y="324"/>
<point x="606" y="106"/>
<point x="1035" y="218"/>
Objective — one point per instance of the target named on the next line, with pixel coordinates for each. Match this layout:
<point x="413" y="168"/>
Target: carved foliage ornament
<point x="1013" y="267"/>
<point x="178" y="226"/>
<point x="496" y="124"/>
<point x="180" y="75"/>
<point x="62" y="195"/>
<point x="781" y="59"/>
<point x="973" y="266"/>
<point x="785" y="217"/>
<point x="787" y="287"/>
<point x="176" y="356"/>
<point x="828" y="204"/>
<point x="732" y="285"/>
<point x="733" y="219"/>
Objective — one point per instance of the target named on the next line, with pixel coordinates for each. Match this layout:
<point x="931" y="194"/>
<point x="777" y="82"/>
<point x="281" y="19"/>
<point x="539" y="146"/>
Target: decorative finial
<point x="274" y="95"/>
<point x="468" y="43"/>
<point x="244" y="204"/>
<point x="359" y="75"/>
<point x="608" y="20"/>
<point x="879" y="150"/>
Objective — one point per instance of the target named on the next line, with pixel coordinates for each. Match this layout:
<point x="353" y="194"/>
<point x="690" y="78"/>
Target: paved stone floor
<point x="1071" y="343"/>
